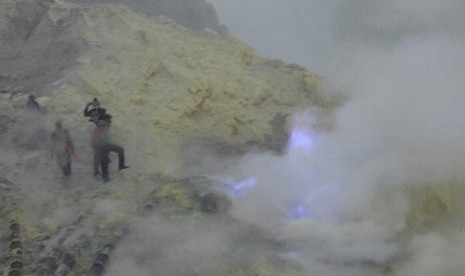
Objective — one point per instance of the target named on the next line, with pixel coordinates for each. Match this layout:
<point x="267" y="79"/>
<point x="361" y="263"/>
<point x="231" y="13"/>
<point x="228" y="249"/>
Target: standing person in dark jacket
<point x="103" y="147"/>
<point x="62" y="148"/>
<point x="32" y="103"/>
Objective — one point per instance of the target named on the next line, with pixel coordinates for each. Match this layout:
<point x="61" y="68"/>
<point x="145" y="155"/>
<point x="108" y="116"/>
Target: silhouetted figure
<point x="62" y="148"/>
<point x="31" y="133"/>
<point x="103" y="147"/>
<point x="32" y="104"/>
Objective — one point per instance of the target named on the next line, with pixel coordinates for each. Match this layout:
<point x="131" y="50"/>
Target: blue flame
<point x="301" y="139"/>
<point x="297" y="213"/>
<point x="317" y="204"/>
<point x="238" y="189"/>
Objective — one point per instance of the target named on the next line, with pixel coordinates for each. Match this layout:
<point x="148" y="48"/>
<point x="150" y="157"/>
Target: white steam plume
<point x="343" y="201"/>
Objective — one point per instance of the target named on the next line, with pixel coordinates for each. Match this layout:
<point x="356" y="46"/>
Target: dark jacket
<point x="32" y="105"/>
<point x="98" y="112"/>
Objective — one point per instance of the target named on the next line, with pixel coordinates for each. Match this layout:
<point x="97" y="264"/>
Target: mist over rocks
<point x="389" y="179"/>
<point x="206" y="124"/>
<point x="177" y="96"/>
<point x="161" y="82"/>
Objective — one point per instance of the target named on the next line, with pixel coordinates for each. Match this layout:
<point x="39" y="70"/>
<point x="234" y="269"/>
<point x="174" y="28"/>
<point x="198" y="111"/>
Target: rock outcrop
<point x="163" y="83"/>
<point x="175" y="93"/>
<point x="194" y="14"/>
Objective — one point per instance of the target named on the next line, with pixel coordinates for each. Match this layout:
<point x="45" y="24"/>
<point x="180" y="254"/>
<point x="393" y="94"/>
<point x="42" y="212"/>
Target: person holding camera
<point x="103" y="146"/>
<point x="96" y="112"/>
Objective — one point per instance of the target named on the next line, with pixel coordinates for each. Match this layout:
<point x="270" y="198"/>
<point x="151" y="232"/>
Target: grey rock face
<point x="194" y="14"/>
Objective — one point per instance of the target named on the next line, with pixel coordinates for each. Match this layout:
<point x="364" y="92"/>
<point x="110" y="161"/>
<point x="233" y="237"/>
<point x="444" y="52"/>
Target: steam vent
<point x="188" y="101"/>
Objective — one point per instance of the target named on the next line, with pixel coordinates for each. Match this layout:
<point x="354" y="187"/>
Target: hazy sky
<point x="312" y="33"/>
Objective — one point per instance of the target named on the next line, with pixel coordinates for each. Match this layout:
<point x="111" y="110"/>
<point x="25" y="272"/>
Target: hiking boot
<point x="123" y="167"/>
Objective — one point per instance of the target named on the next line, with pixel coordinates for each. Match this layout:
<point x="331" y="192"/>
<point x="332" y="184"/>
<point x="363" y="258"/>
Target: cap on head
<point x="58" y="124"/>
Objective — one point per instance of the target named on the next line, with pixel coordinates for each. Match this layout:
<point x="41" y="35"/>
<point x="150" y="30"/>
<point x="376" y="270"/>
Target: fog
<point x="342" y="198"/>
<point x="320" y="35"/>
<point x="336" y="202"/>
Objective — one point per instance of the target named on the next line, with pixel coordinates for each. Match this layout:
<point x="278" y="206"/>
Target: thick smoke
<point x="336" y="202"/>
<point x="319" y="35"/>
<point x="343" y="200"/>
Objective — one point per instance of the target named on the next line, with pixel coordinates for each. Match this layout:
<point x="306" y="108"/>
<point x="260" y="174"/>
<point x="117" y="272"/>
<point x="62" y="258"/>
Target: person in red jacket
<point x="95" y="112"/>
<point x="103" y="147"/>
<point x="62" y="148"/>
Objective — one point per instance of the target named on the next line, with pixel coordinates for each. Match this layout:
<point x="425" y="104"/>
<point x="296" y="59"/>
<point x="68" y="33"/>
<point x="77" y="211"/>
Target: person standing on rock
<point x="95" y="113"/>
<point x="32" y="132"/>
<point x="62" y="148"/>
<point x="103" y="147"/>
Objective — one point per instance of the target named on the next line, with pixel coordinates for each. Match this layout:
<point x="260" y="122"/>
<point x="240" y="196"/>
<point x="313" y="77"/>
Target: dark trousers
<point x="63" y="159"/>
<point x="103" y="151"/>
<point x="96" y="162"/>
<point x="66" y="169"/>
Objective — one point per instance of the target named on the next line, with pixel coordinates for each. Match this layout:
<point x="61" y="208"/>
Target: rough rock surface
<point x="194" y="14"/>
<point x="172" y="92"/>
<point x="176" y="94"/>
<point x="162" y="83"/>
